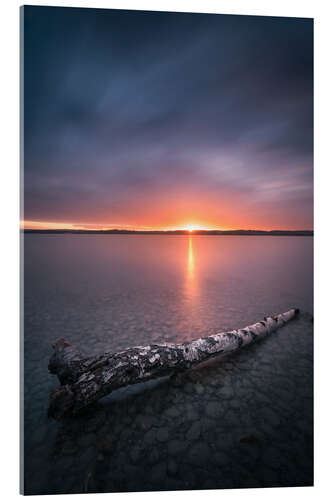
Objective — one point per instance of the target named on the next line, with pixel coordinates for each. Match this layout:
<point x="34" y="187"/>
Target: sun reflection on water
<point x="191" y="282"/>
<point x="190" y="259"/>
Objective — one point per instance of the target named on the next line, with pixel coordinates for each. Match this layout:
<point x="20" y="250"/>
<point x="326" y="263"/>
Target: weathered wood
<point x="84" y="380"/>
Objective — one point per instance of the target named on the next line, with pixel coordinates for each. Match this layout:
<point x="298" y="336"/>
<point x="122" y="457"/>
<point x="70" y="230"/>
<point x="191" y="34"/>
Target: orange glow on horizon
<point x="182" y="226"/>
<point x="29" y="224"/>
<point x="178" y="209"/>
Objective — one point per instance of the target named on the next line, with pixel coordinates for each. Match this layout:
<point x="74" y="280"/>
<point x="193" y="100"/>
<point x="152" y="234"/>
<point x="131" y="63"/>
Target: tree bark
<point x="84" y="380"/>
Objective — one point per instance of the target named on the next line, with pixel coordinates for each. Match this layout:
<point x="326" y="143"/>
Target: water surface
<point x="242" y="422"/>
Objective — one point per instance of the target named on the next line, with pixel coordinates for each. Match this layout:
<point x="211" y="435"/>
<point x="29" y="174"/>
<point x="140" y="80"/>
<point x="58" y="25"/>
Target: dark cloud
<point x="122" y="106"/>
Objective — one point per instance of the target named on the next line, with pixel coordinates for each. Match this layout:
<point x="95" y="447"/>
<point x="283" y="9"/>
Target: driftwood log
<point x="84" y="380"/>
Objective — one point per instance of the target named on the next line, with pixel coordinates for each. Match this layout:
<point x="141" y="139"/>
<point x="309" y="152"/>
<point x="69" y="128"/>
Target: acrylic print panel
<point x="167" y="198"/>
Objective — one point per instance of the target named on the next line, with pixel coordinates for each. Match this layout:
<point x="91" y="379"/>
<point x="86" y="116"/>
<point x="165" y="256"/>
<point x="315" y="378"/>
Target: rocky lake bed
<point x="240" y="422"/>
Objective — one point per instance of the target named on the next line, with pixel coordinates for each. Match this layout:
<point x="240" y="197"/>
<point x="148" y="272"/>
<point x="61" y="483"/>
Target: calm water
<point x="242" y="422"/>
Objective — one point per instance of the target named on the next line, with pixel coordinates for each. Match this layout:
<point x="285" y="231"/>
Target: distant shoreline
<point x="239" y="232"/>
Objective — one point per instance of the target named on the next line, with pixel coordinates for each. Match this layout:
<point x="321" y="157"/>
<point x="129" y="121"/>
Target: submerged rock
<point x="135" y="454"/>
<point x="176" y="446"/>
<point x="194" y="431"/>
<point x="213" y="409"/>
<point x="199" y="454"/>
<point x="226" y="392"/>
<point x="158" y="472"/>
<point x="162" y="434"/>
<point x="106" y="444"/>
<point x="172" y="467"/>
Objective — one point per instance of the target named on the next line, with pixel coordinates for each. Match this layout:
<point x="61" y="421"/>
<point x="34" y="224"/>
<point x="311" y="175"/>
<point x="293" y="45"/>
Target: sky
<point x="149" y="120"/>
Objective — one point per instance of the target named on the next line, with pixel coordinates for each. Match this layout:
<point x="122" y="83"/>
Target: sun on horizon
<point x="191" y="228"/>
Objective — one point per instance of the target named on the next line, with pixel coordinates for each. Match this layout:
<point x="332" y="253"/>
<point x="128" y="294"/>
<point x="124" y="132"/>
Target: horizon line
<point x="169" y="231"/>
<point x="190" y="226"/>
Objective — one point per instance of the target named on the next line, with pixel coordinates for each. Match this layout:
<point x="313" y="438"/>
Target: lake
<point x="246" y="421"/>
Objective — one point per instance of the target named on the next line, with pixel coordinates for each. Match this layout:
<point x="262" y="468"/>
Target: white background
<point x="9" y="197"/>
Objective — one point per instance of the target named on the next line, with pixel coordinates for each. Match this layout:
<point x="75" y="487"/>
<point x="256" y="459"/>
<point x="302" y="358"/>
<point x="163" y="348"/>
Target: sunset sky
<point x="166" y="121"/>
